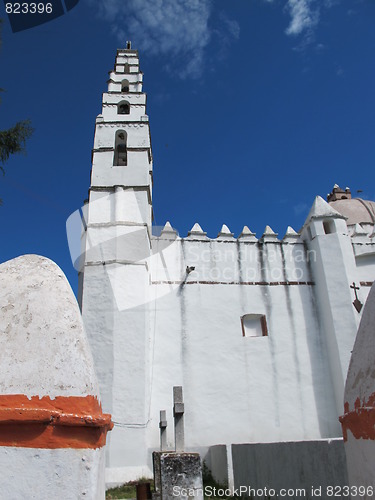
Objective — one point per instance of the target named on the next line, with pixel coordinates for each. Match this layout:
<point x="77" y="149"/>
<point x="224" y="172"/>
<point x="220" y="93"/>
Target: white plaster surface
<point x="334" y="270"/>
<point x="44" y="352"/>
<point x="43" y="346"/>
<point x="138" y="134"/>
<point x="42" y="474"/>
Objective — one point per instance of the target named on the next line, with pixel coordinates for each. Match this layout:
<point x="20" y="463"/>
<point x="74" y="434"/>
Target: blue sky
<point x="255" y="106"/>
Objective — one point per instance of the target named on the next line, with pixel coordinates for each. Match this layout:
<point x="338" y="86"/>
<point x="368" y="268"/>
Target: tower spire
<point x="118" y="245"/>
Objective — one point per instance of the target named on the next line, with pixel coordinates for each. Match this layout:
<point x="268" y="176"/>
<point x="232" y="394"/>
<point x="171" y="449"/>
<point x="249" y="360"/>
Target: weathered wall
<point x="270" y="388"/>
<point x="290" y="465"/>
<point x="237" y="388"/>
<point x="41" y="474"/>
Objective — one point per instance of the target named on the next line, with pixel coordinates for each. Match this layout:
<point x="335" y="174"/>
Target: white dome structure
<point x="356" y="210"/>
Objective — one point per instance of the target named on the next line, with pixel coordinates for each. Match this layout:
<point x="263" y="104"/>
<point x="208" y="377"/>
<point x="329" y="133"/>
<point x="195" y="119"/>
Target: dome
<point x="356" y="210"/>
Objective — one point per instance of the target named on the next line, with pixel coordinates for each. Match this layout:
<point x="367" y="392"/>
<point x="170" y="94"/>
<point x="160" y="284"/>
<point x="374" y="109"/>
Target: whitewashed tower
<point x="114" y="272"/>
<point x="334" y="269"/>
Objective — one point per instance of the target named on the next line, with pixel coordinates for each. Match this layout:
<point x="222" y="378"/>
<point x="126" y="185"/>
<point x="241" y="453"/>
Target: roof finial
<point x="128" y="45"/>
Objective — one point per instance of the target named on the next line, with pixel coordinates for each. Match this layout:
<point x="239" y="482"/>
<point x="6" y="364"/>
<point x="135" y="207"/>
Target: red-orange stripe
<point x="361" y="420"/>
<point x="63" y="422"/>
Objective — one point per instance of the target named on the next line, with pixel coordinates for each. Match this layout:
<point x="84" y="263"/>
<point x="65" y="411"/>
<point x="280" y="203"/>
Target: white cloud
<point x="176" y="29"/>
<point x="179" y="32"/>
<point x="304" y="17"/>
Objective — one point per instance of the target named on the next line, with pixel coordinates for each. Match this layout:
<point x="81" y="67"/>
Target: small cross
<point x="178" y="413"/>
<point x="355" y="288"/>
<point x="163" y="430"/>
<point x="356" y="303"/>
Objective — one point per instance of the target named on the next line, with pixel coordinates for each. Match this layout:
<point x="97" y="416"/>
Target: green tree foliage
<point x="13" y="140"/>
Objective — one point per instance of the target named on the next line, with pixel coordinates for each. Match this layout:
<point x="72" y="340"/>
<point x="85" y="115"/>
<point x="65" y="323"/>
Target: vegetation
<point x="209" y="481"/>
<point x="127" y="490"/>
<point x="13" y="140"/>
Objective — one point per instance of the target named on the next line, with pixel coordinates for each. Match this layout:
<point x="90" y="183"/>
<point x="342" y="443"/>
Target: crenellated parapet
<point x="225" y="235"/>
<point x="363" y="240"/>
<point x="226" y="259"/>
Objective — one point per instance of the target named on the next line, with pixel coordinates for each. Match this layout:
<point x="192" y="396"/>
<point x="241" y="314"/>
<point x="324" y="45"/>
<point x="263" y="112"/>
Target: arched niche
<point x="120" y="154"/>
<point x="125" y="86"/>
<point x="123" y="108"/>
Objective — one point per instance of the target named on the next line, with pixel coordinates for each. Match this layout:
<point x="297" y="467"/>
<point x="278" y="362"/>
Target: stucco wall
<point x="237" y="388"/>
<point x="52" y="474"/>
<point x="46" y="363"/>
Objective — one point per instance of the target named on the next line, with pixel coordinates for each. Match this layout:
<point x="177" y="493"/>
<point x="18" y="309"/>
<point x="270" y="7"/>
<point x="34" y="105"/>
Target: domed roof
<point x="356" y="210"/>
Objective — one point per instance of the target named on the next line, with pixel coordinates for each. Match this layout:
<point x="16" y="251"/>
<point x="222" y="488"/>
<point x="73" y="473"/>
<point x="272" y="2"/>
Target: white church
<point x="257" y="331"/>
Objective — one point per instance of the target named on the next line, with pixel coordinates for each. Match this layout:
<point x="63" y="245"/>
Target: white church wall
<point x="365" y="263"/>
<point x="126" y="59"/>
<point x="110" y="112"/>
<point x="132" y="175"/>
<point x="103" y="160"/>
<point x="133" y="206"/>
<point x="133" y="78"/>
<point x="136" y="99"/>
<point x="136" y="138"/>
<point x="366" y="267"/>
<point x="333" y="270"/>
<point x="198" y="322"/>
<point x="118" y="333"/>
<point x="102" y="207"/>
<point x="252" y="390"/>
<point x="98" y="318"/>
<point x="117" y="242"/>
<point x="226" y="261"/>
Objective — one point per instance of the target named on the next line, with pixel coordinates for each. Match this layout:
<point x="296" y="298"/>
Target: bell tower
<point x="114" y="282"/>
<point x="122" y="156"/>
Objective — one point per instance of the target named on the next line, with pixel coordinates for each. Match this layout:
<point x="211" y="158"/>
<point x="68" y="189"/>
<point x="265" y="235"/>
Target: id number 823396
<point x="28" y="8"/>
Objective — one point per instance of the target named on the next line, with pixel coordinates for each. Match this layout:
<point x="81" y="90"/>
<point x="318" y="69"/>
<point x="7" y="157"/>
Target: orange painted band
<point x="360" y="421"/>
<point x="63" y="422"/>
